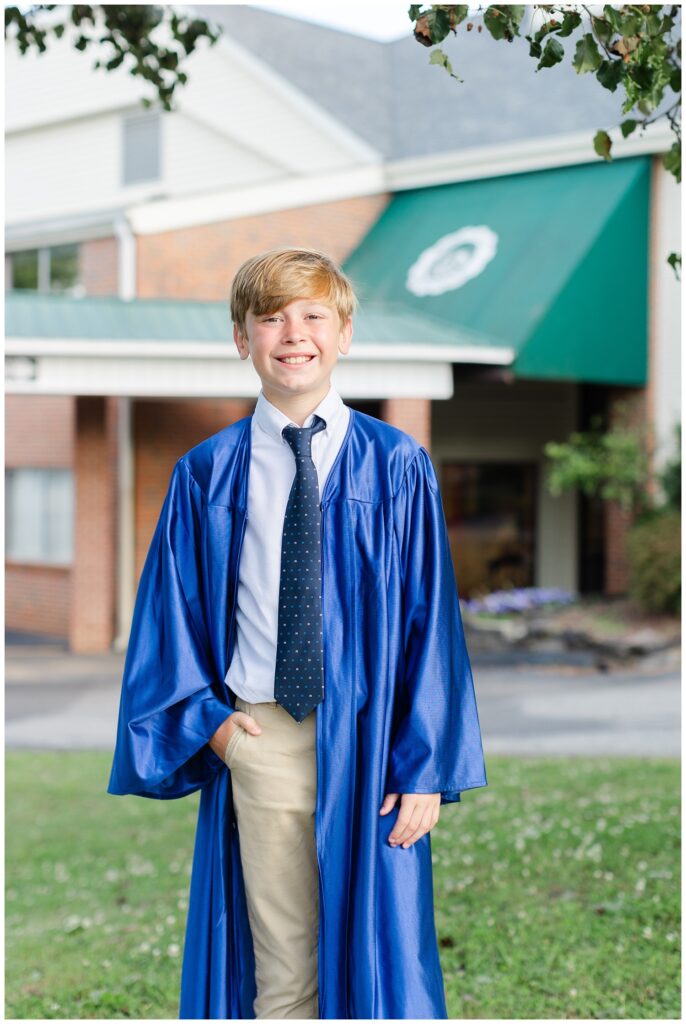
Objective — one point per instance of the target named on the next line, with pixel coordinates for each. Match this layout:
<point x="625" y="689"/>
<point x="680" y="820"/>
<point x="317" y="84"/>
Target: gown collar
<point x="272" y="420"/>
<point x="331" y="401"/>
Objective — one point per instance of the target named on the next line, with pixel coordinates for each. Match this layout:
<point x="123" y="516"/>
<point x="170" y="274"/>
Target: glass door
<point x="490" y="511"/>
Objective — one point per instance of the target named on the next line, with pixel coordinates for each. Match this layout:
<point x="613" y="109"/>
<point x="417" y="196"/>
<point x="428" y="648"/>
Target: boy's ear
<point x="241" y="342"/>
<point x="346" y="336"/>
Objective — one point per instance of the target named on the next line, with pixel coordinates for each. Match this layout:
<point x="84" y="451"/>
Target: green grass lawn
<point x="556" y="891"/>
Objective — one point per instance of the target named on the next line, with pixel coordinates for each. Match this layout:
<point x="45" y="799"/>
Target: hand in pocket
<point x="242" y="720"/>
<point x="232" y="724"/>
<point x="243" y="723"/>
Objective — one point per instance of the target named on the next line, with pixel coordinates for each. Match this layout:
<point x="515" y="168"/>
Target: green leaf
<point x="609" y="73"/>
<point x="587" y="56"/>
<point x="553" y="53"/>
<point x="571" y="20"/>
<point x="672" y="161"/>
<point x="458" y="12"/>
<point x="674" y="260"/>
<point x="628" y="127"/>
<point x="602" y="28"/>
<point x="438" y="22"/>
<point x="630" y="24"/>
<point x="114" y="62"/>
<point x="641" y="74"/>
<point x="503" y="21"/>
<point x="438" y="57"/>
<point x="612" y="17"/>
<point x="602" y="144"/>
<point x="646" y="105"/>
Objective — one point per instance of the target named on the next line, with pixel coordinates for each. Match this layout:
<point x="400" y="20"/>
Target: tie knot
<point x="300" y="438"/>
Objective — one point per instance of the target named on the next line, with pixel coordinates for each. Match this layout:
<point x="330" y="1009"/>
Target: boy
<point x="297" y="654"/>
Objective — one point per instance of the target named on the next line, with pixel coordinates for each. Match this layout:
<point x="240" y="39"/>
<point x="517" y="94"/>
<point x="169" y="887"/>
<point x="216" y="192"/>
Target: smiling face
<point x="303" y="327"/>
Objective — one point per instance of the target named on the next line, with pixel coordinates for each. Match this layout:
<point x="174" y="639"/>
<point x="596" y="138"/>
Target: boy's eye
<point x="317" y="316"/>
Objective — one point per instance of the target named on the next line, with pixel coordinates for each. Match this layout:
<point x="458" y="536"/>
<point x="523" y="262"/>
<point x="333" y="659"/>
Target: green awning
<point x="552" y="264"/>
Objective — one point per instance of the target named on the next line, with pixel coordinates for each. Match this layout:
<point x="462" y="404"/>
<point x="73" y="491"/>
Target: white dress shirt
<point x="270" y="478"/>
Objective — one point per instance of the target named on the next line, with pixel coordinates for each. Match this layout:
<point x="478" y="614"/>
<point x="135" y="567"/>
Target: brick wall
<point x="413" y="415"/>
<point x="200" y="262"/>
<point x="99" y="266"/>
<point x="627" y="407"/>
<point x="37" y="598"/>
<point x="39" y="433"/>
<point x="162" y="432"/>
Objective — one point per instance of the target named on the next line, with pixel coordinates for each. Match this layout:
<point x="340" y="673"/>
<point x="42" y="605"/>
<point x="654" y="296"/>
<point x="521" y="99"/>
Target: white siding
<point x="67" y="168"/>
<point x="235" y="125"/>
<point x="197" y="158"/>
<point x="665" y="312"/>
<point x="229" y="92"/>
<point x="61" y="84"/>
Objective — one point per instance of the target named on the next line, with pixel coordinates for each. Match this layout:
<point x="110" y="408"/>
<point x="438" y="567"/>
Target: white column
<point x="664" y="311"/>
<point x="126" y="581"/>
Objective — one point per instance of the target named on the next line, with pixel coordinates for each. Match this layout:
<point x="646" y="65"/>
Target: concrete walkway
<point x="61" y="701"/>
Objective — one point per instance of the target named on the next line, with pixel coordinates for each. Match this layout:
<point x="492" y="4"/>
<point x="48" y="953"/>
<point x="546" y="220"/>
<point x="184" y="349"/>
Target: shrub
<point x="654" y="556"/>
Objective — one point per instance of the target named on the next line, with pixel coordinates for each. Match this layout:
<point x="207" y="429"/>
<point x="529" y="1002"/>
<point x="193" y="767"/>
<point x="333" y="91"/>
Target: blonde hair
<point x="271" y="279"/>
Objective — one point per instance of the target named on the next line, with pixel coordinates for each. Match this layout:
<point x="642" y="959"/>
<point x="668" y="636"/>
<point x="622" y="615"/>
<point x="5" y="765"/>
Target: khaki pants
<point x="274" y="781"/>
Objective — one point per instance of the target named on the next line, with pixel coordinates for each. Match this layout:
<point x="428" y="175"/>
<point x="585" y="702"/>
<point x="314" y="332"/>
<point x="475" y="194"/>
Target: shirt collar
<point x="272" y="420"/>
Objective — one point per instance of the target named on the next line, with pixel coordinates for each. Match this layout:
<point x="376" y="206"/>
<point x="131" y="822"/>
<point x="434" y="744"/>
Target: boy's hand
<point x="417" y="815"/>
<point x="237" y="720"/>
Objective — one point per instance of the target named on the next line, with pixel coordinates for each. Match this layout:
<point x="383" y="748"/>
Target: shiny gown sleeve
<point x="170" y="704"/>
<point x="436" y="745"/>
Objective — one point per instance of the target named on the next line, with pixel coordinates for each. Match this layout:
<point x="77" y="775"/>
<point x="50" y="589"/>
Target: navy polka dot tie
<point x="299" y="677"/>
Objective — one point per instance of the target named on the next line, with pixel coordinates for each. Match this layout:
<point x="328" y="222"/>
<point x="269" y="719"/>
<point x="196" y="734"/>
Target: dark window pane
<point x="490" y="511"/>
<point x="25" y="269"/>
<point x="64" y="267"/>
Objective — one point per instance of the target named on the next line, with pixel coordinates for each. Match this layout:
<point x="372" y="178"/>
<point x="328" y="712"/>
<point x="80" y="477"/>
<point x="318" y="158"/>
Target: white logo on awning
<point x="452" y="261"/>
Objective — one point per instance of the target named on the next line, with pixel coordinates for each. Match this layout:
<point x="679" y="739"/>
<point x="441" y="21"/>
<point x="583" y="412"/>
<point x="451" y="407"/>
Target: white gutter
<point x="95" y="351"/>
<point x="481" y="162"/>
<point x="519" y="157"/>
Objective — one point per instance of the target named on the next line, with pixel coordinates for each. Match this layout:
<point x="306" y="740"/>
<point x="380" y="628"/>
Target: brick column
<point x="626" y="407"/>
<point x="413" y="415"/>
<point x="163" y="429"/>
<point x="93" y="578"/>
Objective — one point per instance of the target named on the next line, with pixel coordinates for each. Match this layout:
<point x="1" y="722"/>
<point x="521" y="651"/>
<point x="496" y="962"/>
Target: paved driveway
<point x="56" y="700"/>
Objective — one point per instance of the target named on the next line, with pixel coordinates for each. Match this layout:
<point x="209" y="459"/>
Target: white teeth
<point x="296" y="359"/>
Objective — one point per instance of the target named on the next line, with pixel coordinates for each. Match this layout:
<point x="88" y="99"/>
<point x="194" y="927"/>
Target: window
<point x="141" y="148"/>
<point x="39" y="515"/>
<point x="490" y="509"/>
<point x="64" y="267"/>
<point x="24" y="269"/>
<point x="48" y="269"/>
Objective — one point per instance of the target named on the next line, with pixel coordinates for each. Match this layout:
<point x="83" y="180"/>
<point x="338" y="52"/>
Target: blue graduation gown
<point x="399" y="715"/>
